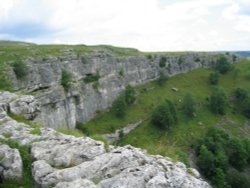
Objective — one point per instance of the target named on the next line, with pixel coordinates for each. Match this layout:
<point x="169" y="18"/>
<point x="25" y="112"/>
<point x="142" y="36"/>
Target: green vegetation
<point x="119" y="107"/>
<point x="27" y="181"/>
<point x="129" y="95"/>
<point x="178" y="141"/>
<point x="127" y="98"/>
<point x="214" y="78"/>
<point x="217" y="152"/>
<point x="66" y="79"/>
<point x="92" y="78"/>
<point x="163" y="61"/>
<point x="20" y="69"/>
<point x="74" y="132"/>
<point x="218" y="101"/>
<point x="164" y="116"/>
<point x="36" y="131"/>
<point x="162" y="79"/>
<point x="188" y="106"/>
<point x="4" y="82"/>
<point x="222" y="65"/>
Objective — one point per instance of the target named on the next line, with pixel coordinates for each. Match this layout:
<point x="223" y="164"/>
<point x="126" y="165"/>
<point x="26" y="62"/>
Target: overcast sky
<point x="148" y="25"/>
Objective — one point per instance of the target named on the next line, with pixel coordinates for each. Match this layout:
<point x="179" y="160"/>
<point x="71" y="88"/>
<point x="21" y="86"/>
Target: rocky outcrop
<point x="66" y="161"/>
<point x="96" y="80"/>
<point x="10" y="163"/>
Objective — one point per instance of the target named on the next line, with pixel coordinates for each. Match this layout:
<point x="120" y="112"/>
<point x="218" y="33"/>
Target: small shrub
<point x="91" y="77"/>
<point x="66" y="79"/>
<point x="162" y="62"/>
<point x="20" y="69"/>
<point x="214" y="78"/>
<point x="96" y="85"/>
<point x="180" y="61"/>
<point x="129" y="95"/>
<point x="121" y="73"/>
<point x="149" y="56"/>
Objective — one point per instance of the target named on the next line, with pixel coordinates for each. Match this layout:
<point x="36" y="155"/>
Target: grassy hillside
<point x="186" y="132"/>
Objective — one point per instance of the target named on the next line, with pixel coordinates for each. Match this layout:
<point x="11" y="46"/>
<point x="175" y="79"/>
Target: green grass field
<point x="182" y="136"/>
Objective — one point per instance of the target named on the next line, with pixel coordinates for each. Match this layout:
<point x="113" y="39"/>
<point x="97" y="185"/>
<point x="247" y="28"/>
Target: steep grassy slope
<point x="183" y="135"/>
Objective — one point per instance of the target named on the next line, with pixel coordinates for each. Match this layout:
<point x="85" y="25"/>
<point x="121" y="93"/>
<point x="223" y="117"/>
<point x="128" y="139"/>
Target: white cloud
<point x="147" y="25"/>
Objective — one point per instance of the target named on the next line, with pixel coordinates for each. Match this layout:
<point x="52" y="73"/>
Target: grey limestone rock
<point x="66" y="161"/>
<point x="11" y="165"/>
<point x="60" y="108"/>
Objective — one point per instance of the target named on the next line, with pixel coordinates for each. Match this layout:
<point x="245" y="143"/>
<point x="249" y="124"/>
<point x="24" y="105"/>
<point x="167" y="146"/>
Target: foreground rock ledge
<point x="64" y="161"/>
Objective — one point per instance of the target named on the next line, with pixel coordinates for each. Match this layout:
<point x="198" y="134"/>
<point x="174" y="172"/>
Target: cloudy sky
<point x="149" y="25"/>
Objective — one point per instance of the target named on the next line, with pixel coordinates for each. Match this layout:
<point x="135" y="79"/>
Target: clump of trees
<point x="222" y="65"/>
<point x="126" y="99"/>
<point x="242" y="101"/>
<point x="165" y="115"/>
<point x="221" y="158"/>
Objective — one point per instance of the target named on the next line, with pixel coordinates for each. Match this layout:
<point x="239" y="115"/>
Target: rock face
<point x="10" y="163"/>
<point x="97" y="79"/>
<point x="66" y="161"/>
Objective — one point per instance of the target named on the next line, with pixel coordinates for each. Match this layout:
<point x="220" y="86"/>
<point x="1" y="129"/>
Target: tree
<point x="222" y="65"/>
<point x="162" y="62"/>
<point x="240" y="94"/>
<point x="162" y="79"/>
<point x="236" y="179"/>
<point x="129" y="95"/>
<point x="237" y="154"/>
<point x="164" y="116"/>
<point x="218" y="101"/>
<point x="219" y="178"/>
<point x="246" y="107"/>
<point x="214" y="78"/>
<point x="188" y="105"/>
<point x="119" y="107"/>
<point x="205" y="161"/>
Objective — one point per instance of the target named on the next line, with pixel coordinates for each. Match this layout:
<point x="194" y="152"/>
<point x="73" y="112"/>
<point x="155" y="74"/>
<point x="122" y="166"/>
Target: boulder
<point x="11" y="165"/>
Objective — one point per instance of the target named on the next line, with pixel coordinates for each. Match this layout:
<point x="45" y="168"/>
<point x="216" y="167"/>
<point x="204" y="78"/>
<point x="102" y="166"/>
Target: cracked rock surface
<point x="10" y="162"/>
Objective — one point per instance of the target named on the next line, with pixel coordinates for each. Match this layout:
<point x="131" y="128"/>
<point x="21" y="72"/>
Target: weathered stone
<point x="11" y="165"/>
<point x="121" y="167"/>
<point x="79" y="183"/>
<point x="26" y="106"/>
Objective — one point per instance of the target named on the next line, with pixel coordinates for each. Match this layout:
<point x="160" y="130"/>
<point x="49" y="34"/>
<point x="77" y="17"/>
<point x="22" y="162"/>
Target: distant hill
<point x="243" y="53"/>
<point x="14" y="43"/>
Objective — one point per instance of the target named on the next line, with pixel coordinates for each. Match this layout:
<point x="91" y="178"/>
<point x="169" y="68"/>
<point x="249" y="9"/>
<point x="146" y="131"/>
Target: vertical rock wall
<point x="62" y="109"/>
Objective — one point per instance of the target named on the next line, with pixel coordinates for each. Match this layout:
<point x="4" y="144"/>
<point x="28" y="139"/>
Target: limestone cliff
<point x="97" y="79"/>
